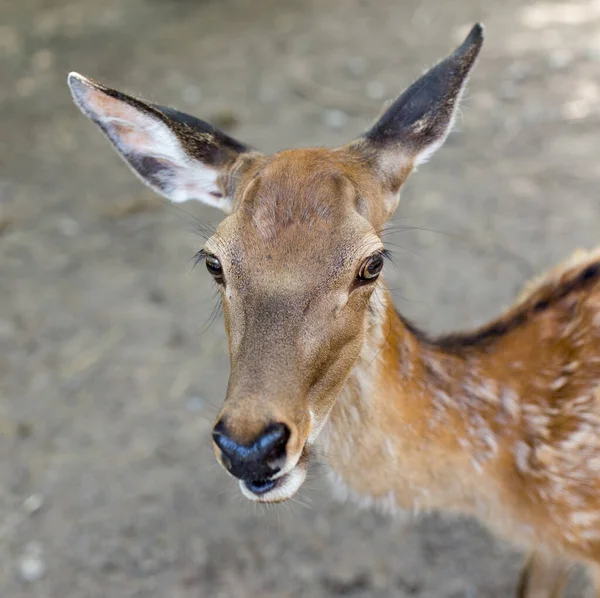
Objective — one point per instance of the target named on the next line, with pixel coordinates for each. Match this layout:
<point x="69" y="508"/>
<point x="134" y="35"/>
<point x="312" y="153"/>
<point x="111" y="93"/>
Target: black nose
<point x="260" y="459"/>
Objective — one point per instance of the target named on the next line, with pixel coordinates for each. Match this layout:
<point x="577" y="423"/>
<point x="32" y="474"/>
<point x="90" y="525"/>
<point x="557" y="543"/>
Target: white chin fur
<point x="286" y="487"/>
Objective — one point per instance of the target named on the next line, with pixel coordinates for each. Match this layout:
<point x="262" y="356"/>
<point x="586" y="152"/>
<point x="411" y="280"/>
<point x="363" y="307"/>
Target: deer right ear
<point x="419" y="121"/>
<point x="179" y="156"/>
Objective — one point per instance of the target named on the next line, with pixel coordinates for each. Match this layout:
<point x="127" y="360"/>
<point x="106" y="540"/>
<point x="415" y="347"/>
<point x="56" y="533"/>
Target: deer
<point x="500" y="423"/>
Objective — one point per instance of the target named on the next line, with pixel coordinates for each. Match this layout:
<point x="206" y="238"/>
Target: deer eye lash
<point x="199" y="257"/>
<point x="386" y="254"/>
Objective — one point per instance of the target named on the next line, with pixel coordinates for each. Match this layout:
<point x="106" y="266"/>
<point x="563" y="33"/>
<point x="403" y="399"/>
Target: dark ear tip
<point x="470" y="47"/>
<point x="474" y="37"/>
<point x="476" y="33"/>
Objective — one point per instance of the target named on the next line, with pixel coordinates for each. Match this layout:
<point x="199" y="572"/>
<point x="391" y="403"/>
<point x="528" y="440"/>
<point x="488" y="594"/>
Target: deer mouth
<point x="278" y="489"/>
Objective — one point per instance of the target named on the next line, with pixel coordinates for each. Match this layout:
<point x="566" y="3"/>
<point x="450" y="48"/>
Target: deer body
<point x="502" y="423"/>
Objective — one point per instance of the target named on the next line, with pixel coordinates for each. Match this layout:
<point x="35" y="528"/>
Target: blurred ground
<point x="107" y="382"/>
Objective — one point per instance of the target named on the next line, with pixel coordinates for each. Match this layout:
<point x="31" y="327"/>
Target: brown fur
<point x="508" y="431"/>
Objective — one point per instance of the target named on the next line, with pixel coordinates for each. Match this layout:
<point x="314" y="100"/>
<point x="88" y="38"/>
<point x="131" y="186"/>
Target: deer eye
<point x="213" y="265"/>
<point x="371" y="268"/>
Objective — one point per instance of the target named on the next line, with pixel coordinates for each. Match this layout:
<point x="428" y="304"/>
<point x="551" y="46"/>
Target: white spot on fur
<point x="590" y="534"/>
<point x="485" y="389"/>
<point x="490" y="441"/>
<point x="522" y="452"/>
<point x="559" y="383"/>
<point x="442" y="397"/>
<point x="585" y="518"/>
<point x="509" y="403"/>
<point x="389" y="447"/>
<point x="572" y="367"/>
<point x="437" y="368"/>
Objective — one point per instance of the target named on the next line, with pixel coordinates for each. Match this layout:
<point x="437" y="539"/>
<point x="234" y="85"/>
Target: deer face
<point x="296" y="263"/>
<point x="297" y="258"/>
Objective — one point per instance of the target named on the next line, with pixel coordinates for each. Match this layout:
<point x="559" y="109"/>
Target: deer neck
<point x="416" y="426"/>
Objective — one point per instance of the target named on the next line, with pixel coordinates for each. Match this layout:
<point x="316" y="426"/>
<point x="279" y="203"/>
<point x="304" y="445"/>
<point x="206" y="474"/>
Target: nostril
<point x="223" y="442"/>
<point x="275" y="453"/>
<point x="218" y="432"/>
<point x="219" y="427"/>
<point x="280" y="432"/>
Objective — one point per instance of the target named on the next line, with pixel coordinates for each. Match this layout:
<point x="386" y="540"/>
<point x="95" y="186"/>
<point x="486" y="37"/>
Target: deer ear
<point x="177" y="155"/>
<point x="419" y="121"/>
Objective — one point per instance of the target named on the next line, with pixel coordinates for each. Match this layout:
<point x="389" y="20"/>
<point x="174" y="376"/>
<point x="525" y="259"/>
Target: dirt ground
<point x="108" y="380"/>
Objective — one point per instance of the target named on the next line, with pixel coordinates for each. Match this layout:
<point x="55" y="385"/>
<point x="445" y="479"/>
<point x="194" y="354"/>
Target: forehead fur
<point x="307" y="189"/>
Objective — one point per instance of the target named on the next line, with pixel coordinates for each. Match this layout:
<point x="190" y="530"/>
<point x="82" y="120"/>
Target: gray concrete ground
<point x="108" y="383"/>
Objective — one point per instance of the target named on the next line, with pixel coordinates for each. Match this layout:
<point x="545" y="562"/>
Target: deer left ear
<point x="179" y="156"/>
<point x="418" y="122"/>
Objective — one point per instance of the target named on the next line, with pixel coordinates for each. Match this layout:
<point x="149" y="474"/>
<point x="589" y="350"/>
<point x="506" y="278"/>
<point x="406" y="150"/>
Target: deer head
<point x="297" y="259"/>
